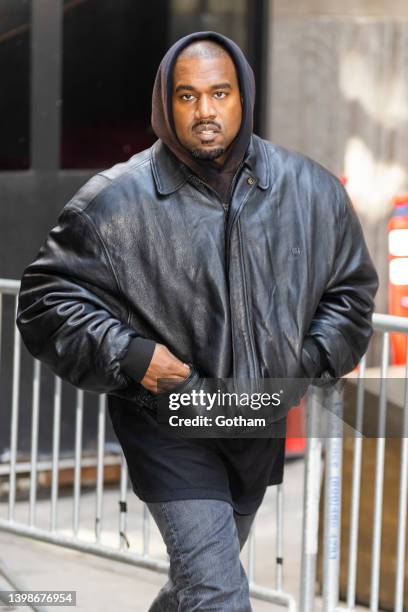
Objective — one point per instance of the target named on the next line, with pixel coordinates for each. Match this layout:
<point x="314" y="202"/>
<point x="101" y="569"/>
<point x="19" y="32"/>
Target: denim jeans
<point x="203" y="538"/>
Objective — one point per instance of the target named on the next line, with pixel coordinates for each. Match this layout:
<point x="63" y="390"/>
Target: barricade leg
<point x="332" y="506"/>
<point x="402" y="508"/>
<point x="311" y="496"/>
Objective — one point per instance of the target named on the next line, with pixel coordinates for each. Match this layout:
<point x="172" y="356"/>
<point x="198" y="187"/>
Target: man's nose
<point x="205" y="108"/>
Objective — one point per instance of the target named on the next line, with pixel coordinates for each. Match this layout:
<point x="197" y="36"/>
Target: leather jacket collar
<point x="169" y="176"/>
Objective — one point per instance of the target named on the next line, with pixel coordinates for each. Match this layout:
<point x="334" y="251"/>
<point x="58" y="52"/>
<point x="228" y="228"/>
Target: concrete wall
<point x="338" y="92"/>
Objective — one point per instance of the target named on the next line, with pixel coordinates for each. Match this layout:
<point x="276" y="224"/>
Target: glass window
<point x="15" y="84"/>
<point x="111" y="51"/>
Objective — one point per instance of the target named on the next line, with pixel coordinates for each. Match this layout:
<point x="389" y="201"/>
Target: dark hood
<point x="218" y="176"/>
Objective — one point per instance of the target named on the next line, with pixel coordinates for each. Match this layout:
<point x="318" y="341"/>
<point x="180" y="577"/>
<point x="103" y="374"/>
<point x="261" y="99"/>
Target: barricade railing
<point x="323" y="456"/>
<point x="331" y="448"/>
<point x="123" y="553"/>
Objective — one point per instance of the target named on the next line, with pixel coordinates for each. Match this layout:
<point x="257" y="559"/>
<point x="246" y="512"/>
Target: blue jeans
<point x="203" y="538"/>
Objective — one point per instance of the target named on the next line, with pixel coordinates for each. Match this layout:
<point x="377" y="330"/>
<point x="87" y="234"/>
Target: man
<point x="214" y="254"/>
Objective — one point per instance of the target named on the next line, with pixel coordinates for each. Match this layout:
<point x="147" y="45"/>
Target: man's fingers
<point x="165" y="370"/>
<point x="188" y="369"/>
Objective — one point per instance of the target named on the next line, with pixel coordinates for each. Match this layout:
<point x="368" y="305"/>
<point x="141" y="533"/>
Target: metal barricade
<point x="275" y="594"/>
<point x="321" y="452"/>
<point x="332" y="446"/>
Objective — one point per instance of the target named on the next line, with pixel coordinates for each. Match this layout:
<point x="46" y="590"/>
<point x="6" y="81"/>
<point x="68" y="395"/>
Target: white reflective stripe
<point x="398" y="242"/>
<point x="399" y="271"/>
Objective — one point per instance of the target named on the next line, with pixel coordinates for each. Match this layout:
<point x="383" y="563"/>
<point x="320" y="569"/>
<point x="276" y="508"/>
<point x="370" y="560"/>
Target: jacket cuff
<point x="138" y="357"/>
<point x="317" y="355"/>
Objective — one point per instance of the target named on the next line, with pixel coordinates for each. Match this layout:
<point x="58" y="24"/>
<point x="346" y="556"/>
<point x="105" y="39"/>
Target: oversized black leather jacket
<point x="146" y="249"/>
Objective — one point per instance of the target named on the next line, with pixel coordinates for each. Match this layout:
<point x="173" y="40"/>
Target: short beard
<point x="207" y="155"/>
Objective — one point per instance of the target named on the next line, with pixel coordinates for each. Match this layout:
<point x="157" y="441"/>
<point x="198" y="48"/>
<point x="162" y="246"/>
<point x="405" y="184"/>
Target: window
<point x="111" y="51"/>
<point x="15" y="84"/>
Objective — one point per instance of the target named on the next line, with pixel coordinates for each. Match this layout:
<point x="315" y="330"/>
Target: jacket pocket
<point x="179" y="387"/>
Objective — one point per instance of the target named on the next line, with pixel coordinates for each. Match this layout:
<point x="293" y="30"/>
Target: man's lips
<point x="206" y="132"/>
<point x="206" y="129"/>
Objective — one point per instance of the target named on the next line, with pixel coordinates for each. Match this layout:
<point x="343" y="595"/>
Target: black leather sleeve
<point x="70" y="314"/>
<point x="342" y="322"/>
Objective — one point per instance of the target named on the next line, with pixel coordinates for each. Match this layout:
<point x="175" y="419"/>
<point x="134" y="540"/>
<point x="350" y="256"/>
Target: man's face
<point x="207" y="108"/>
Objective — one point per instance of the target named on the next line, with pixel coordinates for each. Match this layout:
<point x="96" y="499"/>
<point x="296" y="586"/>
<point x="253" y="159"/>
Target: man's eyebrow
<point x="216" y="86"/>
<point x="222" y="86"/>
<point x="188" y="87"/>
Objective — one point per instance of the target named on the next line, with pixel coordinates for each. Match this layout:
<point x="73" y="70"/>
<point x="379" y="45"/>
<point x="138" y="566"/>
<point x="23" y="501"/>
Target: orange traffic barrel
<point x="295" y="432"/>
<point x="398" y="272"/>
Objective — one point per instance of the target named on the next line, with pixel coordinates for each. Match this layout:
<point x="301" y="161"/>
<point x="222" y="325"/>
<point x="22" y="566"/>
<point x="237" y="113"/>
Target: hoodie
<point x="218" y="176"/>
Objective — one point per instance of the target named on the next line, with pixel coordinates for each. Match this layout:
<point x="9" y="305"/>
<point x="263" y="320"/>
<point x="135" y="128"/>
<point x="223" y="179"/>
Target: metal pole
<point x="402" y="509"/>
<point x="1" y="320"/>
<point x="390" y="323"/>
<point x="379" y="479"/>
<point x="311" y="498"/>
<point x="279" y="538"/>
<point x="100" y="466"/>
<point x="146" y="530"/>
<point x="78" y="451"/>
<point x="34" y="439"/>
<point x="355" y="490"/>
<point x="14" y="417"/>
<point x="123" y="504"/>
<point x="332" y="513"/>
<point x="55" y="451"/>
<point x="46" y="62"/>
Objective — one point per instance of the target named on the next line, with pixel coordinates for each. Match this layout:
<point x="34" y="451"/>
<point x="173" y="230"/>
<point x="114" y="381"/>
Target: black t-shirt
<point x="164" y="468"/>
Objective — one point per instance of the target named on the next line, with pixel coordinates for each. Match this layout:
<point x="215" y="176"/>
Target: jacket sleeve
<point x="342" y="322"/>
<point x="70" y="313"/>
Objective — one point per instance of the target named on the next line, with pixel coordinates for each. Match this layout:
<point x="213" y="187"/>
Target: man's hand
<point x="164" y="365"/>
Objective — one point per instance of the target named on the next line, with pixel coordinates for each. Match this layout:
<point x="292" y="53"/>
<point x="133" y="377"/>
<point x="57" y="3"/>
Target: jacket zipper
<point x="227" y="212"/>
<point x="228" y="223"/>
<point x="248" y="317"/>
<point x="228" y="240"/>
<point x="228" y="230"/>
